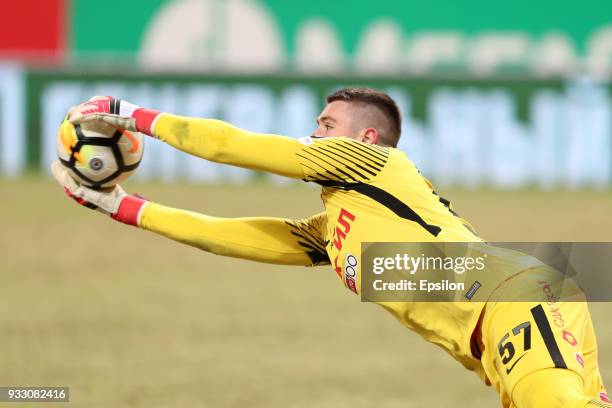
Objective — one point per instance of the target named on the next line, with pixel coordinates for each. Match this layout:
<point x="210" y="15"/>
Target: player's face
<point x="338" y="119"/>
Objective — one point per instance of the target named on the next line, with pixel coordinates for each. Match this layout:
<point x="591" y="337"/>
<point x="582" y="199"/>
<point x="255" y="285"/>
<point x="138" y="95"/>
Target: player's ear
<point x="369" y="136"/>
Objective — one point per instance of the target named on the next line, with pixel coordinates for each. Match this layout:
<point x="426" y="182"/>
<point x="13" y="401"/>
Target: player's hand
<point x="116" y="112"/>
<point x="114" y="202"/>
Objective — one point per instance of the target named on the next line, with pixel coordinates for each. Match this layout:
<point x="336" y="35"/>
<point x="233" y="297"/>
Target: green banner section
<point x="480" y="37"/>
<point x="498" y="133"/>
<point x="467" y="16"/>
<point x="351" y="18"/>
<point x="92" y="20"/>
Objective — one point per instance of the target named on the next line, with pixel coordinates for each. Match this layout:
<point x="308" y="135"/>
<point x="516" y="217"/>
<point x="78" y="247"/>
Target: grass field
<point x="130" y="319"/>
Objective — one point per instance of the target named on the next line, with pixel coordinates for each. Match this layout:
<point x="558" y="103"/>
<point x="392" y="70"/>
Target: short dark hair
<point x="390" y="133"/>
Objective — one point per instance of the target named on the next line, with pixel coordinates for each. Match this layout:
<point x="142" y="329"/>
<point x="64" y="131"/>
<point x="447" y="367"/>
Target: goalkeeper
<point x="371" y="193"/>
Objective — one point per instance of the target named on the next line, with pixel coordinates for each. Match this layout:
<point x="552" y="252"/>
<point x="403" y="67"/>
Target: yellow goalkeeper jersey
<point x="370" y="194"/>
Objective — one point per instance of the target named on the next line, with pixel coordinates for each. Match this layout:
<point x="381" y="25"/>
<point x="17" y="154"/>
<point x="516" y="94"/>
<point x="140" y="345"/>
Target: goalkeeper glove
<point x="116" y="112"/>
<point x="115" y="202"/>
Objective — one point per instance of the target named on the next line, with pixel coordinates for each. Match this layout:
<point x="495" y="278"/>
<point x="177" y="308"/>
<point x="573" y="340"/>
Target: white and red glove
<point x="116" y="112"/>
<point x="115" y="202"/>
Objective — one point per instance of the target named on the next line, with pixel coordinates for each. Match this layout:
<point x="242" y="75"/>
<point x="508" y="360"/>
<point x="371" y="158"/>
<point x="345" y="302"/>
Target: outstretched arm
<point x="328" y="161"/>
<point x="221" y="142"/>
<point x="270" y="240"/>
<point x="335" y="160"/>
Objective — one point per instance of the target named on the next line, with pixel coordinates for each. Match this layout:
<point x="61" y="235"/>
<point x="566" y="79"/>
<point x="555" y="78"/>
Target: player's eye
<point x="327" y="127"/>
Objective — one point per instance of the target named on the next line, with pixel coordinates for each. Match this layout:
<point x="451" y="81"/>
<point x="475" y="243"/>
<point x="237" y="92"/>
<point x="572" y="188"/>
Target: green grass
<point x="130" y="319"/>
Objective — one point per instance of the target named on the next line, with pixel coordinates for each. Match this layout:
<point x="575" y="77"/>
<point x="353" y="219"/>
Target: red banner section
<point x="33" y="30"/>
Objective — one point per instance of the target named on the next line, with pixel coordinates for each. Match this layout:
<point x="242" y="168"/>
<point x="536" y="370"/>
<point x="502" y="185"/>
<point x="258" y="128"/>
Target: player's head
<point x="362" y="114"/>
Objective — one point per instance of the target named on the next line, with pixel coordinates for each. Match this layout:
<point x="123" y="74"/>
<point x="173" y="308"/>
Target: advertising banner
<point x="474" y="37"/>
<point x="460" y="132"/>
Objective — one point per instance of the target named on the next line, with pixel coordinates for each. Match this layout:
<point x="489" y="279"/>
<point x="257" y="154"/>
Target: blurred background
<point x="506" y="109"/>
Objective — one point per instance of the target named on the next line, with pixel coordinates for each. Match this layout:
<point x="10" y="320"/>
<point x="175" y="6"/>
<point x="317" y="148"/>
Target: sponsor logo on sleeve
<point x="343" y="227"/>
<point x="347" y="272"/>
<point x="308" y="140"/>
<point x="350" y="272"/>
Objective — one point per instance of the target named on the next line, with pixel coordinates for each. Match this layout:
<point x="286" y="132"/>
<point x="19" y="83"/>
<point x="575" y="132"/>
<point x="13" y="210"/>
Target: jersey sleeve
<point x="322" y="160"/>
<point x="310" y="235"/>
<point x="269" y="240"/>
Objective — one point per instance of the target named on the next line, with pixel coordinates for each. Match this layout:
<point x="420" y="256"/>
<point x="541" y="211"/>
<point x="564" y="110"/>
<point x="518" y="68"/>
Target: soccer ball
<point x="98" y="155"/>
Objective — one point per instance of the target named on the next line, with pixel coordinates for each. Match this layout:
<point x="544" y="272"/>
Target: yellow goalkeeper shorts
<point x="552" y="329"/>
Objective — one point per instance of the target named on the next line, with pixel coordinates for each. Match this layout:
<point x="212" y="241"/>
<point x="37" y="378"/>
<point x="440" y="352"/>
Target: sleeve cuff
<point x="130" y="210"/>
<point x="145" y="119"/>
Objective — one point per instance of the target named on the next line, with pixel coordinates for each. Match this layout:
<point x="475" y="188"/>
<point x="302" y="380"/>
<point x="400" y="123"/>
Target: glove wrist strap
<point x="144" y="120"/>
<point x="130" y="210"/>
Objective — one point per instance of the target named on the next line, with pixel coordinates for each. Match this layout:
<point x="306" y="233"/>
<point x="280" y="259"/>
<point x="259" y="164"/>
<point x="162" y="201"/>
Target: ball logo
<point x="96" y="164"/>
